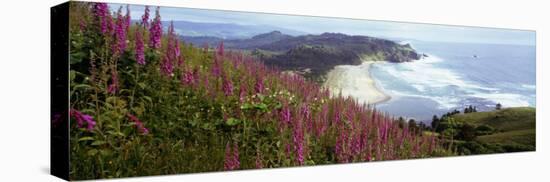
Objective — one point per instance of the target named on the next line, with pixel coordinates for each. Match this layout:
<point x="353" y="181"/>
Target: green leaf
<point x="148" y="99"/>
<point x="85" y="139"/>
<point x="76" y="57"/>
<point x="82" y="86"/>
<point x="105" y="152"/>
<point x="208" y="126"/>
<point x="98" y="142"/>
<point x="142" y="85"/>
<point x="72" y="75"/>
<point x="261" y="106"/>
<point x="233" y="122"/>
<point x="246" y="106"/>
<point x="92" y="152"/>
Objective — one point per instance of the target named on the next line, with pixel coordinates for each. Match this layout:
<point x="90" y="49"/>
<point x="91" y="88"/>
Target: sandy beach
<point x="355" y="80"/>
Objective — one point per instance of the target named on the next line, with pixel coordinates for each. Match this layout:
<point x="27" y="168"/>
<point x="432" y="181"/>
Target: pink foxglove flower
<point x="341" y="146"/>
<point x="139" y="124"/>
<point x="231" y="161"/>
<point x="259" y="86"/>
<point x="127" y="19"/>
<point x="83" y="118"/>
<point x="259" y="164"/>
<point x="216" y="67"/>
<point x="228" y="159"/>
<point x="101" y="11"/>
<point x="140" y="55"/>
<point x="227" y="86"/>
<point x="190" y="77"/>
<point x="177" y="52"/>
<point x="113" y="87"/>
<point x="82" y="25"/>
<point x="155" y="31"/>
<point x="285" y="114"/>
<point x="120" y="33"/>
<point x="166" y="66"/>
<point x="145" y="18"/>
<point x="298" y="140"/>
<point x="236" y="160"/>
<point x="242" y="93"/>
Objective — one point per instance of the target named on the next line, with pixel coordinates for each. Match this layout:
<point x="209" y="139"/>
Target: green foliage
<point x="504" y="130"/>
<point x="190" y="125"/>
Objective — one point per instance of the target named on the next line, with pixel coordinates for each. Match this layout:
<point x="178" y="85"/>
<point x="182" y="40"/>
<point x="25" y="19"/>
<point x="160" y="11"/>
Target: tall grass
<point x="145" y="103"/>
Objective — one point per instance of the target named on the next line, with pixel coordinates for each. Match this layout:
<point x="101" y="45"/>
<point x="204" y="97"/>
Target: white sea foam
<point x="506" y="99"/>
<point x="444" y="86"/>
<point x="422" y="73"/>
<point x="527" y="86"/>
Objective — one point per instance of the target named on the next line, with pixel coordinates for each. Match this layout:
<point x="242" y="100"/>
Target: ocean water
<point x="456" y="75"/>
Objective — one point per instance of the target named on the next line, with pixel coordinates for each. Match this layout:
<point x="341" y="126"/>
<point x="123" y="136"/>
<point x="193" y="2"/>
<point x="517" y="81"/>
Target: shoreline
<point x="356" y="81"/>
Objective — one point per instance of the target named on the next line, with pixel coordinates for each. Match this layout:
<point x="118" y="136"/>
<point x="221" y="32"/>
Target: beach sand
<point x="355" y="81"/>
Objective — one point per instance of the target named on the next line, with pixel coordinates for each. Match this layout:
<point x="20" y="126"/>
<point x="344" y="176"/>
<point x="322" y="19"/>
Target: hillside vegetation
<point x="512" y="126"/>
<point x="314" y="55"/>
<point x="144" y="102"/>
<point x="498" y="131"/>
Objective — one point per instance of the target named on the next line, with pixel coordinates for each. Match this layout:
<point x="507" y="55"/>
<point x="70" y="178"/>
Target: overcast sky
<point x="317" y="25"/>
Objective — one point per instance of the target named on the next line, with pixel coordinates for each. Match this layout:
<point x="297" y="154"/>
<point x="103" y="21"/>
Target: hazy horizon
<point x="317" y="25"/>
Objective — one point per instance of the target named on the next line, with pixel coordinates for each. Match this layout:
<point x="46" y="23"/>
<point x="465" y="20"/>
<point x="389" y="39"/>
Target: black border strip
<point x="59" y="98"/>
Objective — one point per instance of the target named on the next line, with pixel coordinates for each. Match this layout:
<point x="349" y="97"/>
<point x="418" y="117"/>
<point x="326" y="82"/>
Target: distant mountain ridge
<point x="314" y="55"/>
<point x="224" y="30"/>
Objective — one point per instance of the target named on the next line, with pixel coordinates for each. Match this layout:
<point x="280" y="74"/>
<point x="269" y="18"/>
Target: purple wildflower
<point x="228" y="161"/>
<point x="120" y="33"/>
<point x="140" y="55"/>
<point x="127" y="19"/>
<point x="259" y="164"/>
<point x="298" y="141"/>
<point x="113" y="87"/>
<point x="307" y="117"/>
<point x="342" y="146"/>
<point x="356" y="144"/>
<point x="166" y="66"/>
<point x="242" y="93"/>
<point x="259" y="86"/>
<point x="172" y="52"/>
<point x="218" y="61"/>
<point x="110" y="24"/>
<point x="285" y="114"/>
<point x="288" y="150"/>
<point x="177" y="52"/>
<point x="227" y="86"/>
<point x="236" y="156"/>
<point x="216" y="68"/>
<point x="101" y="11"/>
<point x="82" y="25"/>
<point x="231" y="161"/>
<point x="156" y="31"/>
<point x="139" y="124"/>
<point x="81" y="118"/>
<point x="145" y="18"/>
<point x="190" y="77"/>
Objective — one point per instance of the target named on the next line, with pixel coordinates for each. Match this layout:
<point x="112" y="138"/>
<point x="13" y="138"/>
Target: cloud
<point x="316" y="25"/>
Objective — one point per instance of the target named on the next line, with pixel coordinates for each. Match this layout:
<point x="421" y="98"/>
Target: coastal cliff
<point x="315" y="55"/>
